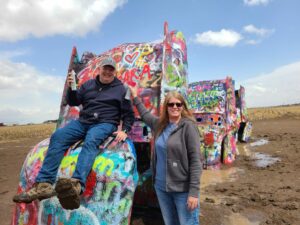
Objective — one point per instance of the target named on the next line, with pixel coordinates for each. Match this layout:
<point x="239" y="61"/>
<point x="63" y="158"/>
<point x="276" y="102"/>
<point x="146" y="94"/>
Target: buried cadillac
<point x="213" y="104"/>
<point x="120" y="169"/>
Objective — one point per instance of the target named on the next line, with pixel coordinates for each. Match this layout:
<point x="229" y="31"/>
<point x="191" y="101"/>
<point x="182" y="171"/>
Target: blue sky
<point x="254" y="41"/>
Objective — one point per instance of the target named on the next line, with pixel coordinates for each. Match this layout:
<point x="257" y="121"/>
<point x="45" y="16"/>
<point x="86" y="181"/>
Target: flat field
<point x="15" y="133"/>
<point x="242" y="193"/>
<point x="263" y="113"/>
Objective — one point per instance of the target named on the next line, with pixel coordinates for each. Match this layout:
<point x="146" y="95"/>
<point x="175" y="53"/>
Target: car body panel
<point x="213" y="105"/>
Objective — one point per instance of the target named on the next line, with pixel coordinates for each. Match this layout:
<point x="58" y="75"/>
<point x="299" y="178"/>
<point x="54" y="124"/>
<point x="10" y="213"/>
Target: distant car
<point x="213" y="105"/>
<point x="156" y="68"/>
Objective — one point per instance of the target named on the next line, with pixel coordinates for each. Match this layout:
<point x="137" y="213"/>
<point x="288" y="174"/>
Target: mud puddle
<point x="260" y="159"/>
<point x="253" y="218"/>
<point x="214" y="177"/>
<point x="259" y="142"/>
<point x="264" y="160"/>
<point x="232" y="174"/>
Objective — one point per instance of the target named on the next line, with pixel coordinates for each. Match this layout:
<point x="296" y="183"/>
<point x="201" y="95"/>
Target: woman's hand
<point x="133" y="91"/>
<point x="192" y="203"/>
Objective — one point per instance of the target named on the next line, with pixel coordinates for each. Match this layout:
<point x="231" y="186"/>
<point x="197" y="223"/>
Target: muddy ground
<point x="260" y="191"/>
<point x="248" y="192"/>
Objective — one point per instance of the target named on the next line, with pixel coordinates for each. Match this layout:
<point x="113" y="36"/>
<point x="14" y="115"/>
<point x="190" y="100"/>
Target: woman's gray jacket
<point x="183" y="169"/>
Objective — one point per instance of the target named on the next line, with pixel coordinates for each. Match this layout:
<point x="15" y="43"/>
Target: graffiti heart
<point x="130" y="58"/>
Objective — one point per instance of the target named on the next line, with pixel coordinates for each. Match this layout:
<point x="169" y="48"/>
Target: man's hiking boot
<point x="68" y="192"/>
<point x="39" y="191"/>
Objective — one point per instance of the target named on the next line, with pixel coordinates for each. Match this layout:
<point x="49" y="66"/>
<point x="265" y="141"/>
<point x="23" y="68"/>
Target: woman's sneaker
<point x="68" y="192"/>
<point x="39" y="191"/>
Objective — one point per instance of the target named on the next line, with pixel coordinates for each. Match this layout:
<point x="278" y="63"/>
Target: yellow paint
<point x="69" y="161"/>
<point x="39" y="154"/>
<point x="101" y="163"/>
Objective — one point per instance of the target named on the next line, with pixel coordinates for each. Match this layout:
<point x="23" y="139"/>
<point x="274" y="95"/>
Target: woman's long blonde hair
<point x="164" y="116"/>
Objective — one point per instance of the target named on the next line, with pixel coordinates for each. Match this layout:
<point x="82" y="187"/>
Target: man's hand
<point x="121" y="136"/>
<point x="192" y="203"/>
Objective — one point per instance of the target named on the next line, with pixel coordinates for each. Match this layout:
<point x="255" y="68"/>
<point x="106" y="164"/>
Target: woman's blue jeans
<point x="93" y="135"/>
<point x="173" y="206"/>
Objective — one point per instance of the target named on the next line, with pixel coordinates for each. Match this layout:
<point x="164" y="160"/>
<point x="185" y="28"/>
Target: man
<point x="103" y="106"/>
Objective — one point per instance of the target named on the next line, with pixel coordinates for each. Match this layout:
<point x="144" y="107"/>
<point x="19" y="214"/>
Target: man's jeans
<point x="173" y="206"/>
<point x="93" y="135"/>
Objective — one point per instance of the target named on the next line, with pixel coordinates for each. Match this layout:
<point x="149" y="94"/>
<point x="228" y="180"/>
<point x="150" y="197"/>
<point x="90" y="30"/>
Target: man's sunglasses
<point x="172" y="104"/>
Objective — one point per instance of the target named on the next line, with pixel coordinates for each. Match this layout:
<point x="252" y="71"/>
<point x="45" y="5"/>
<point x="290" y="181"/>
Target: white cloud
<point x="262" y="32"/>
<point x="27" y="95"/>
<point x="252" y="42"/>
<point x="281" y="86"/>
<point x="21" y="19"/>
<point x="12" y="54"/>
<point x="229" y="38"/>
<point x="256" y="2"/>
<point x="222" y="38"/>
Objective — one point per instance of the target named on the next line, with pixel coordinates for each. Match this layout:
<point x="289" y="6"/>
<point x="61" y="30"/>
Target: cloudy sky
<point x="254" y="41"/>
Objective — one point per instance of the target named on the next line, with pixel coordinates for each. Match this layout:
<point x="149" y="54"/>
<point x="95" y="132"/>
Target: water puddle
<point x="238" y="219"/>
<point x="264" y="160"/>
<point x="260" y="159"/>
<point x="213" y="177"/>
<point x="259" y="142"/>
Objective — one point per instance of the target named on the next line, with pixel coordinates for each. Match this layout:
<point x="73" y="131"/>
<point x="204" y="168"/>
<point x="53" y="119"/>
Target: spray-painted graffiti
<point x="213" y="105"/>
<point x="245" y="126"/>
<point x="109" y="189"/>
<point x="246" y="131"/>
<point x="174" y="63"/>
<point x="207" y="96"/>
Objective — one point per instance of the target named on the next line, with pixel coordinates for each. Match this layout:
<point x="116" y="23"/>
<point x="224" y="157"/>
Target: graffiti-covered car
<point x="110" y="185"/>
<point x="213" y="105"/>
<point x="163" y="69"/>
<point x="245" y="125"/>
<point x="120" y="170"/>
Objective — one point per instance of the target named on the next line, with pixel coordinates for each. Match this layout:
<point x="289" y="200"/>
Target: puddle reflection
<point x="264" y="160"/>
<point x="238" y="219"/>
<point x="261" y="159"/>
<point x="212" y="177"/>
<point x="259" y="142"/>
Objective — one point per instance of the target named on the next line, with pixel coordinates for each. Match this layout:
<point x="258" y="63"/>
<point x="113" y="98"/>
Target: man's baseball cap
<point x="108" y="61"/>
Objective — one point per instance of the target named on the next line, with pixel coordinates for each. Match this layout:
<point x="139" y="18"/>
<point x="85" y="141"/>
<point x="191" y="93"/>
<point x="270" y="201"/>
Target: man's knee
<point x="57" y="136"/>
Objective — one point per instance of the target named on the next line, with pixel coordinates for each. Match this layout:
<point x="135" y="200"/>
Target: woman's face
<point x="174" y="107"/>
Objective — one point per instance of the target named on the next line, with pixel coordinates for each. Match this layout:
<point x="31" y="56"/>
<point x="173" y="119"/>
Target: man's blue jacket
<point x="102" y="103"/>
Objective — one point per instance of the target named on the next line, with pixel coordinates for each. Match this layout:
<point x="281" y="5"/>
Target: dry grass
<point x="288" y="112"/>
<point x="9" y="133"/>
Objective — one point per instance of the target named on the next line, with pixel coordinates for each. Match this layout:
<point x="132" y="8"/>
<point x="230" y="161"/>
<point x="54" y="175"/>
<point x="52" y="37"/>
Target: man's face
<point x="107" y="74"/>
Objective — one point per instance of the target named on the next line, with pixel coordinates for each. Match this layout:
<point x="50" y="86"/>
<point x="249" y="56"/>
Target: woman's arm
<point x="146" y="116"/>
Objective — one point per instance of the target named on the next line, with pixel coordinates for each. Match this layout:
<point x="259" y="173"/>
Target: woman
<point x="176" y="164"/>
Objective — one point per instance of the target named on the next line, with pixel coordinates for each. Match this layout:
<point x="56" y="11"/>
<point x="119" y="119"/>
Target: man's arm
<point x="72" y="98"/>
<point x="127" y="117"/>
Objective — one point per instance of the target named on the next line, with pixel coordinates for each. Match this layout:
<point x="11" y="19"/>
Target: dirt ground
<point x="259" y="193"/>
<point x="248" y="192"/>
